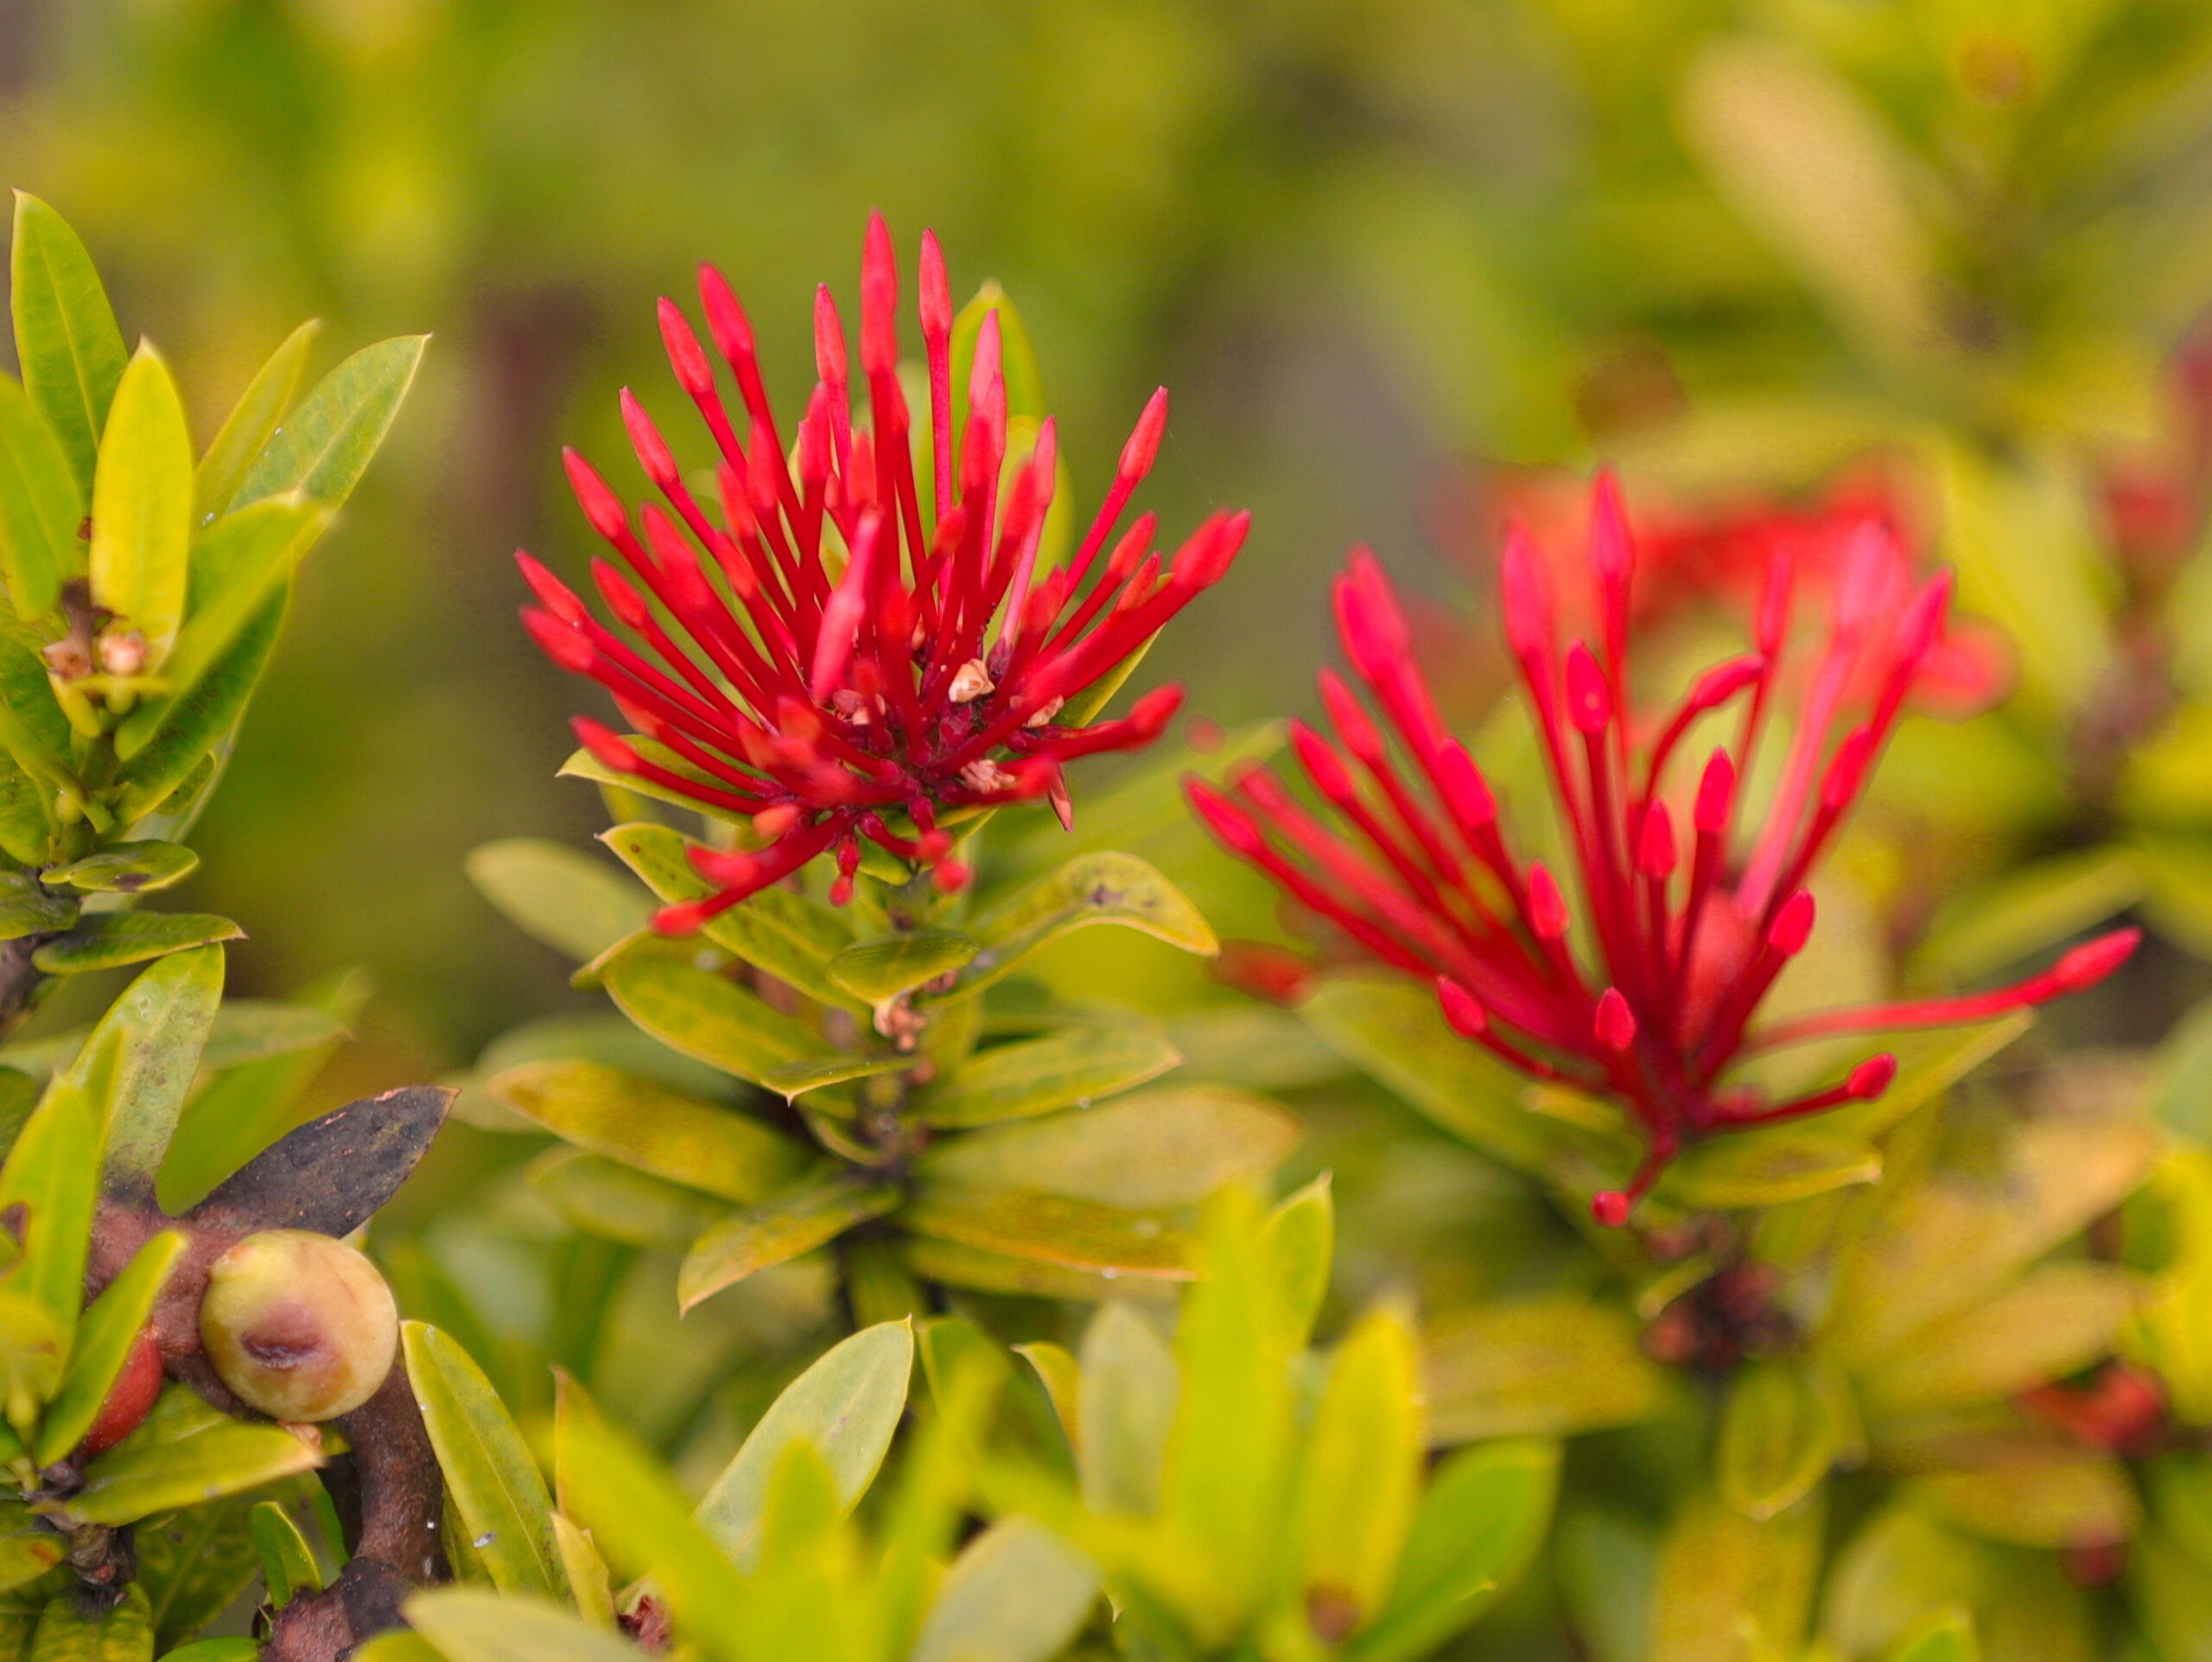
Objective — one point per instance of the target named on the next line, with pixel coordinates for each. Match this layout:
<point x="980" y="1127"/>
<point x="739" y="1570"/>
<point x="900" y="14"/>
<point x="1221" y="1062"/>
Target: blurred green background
<point x="1362" y="243"/>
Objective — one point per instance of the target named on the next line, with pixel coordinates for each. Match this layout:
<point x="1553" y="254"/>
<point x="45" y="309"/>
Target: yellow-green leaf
<point x="250" y="423"/>
<point x="142" y="507"/>
<point x="776" y="1231"/>
<point x="1360" y="1476"/>
<point x="67" y="340"/>
<point x="41" y="506"/>
<point x="1067" y="1068"/>
<point x="105" y="1335"/>
<point x="1090" y="889"/>
<point x="326" y="443"/>
<point x="573" y="903"/>
<point x="1779" y="1435"/>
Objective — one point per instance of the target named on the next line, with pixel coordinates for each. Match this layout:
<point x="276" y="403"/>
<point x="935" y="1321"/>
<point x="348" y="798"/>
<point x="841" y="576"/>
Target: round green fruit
<point x="298" y="1325"/>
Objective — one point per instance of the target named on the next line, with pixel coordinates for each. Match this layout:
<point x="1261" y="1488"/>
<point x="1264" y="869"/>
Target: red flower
<point x="831" y="658"/>
<point x="1682" y="935"/>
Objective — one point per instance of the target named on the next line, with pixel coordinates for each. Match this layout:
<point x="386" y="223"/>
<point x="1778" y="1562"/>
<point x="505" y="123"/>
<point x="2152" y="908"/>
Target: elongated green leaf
<point x="706" y="1016"/>
<point x="111" y="939"/>
<point x="1126" y="1408"/>
<point x="1779" y="1435"/>
<point x="140" y="1060"/>
<point x="193" y="1565"/>
<point x="882" y="969"/>
<point x="42" y="506"/>
<point x="26" y="1550"/>
<point x="142" y="1476"/>
<point x="1538" y="1367"/>
<point x="1017" y="1593"/>
<point x="1769" y="1167"/>
<point x="1300" y="1240"/>
<point x="142" y="507"/>
<point x="53" y="1174"/>
<point x="128" y="868"/>
<point x="2060" y="1496"/>
<point x="245" y="1030"/>
<point x="622" y="1203"/>
<point x="326" y="443"/>
<point x="798" y="1079"/>
<point x="225" y="1650"/>
<point x="776" y="1231"/>
<point x="1479" y="1526"/>
<point x="491" y="1480"/>
<point x="27" y="909"/>
<point x="67" y="340"/>
<point x="108" y="1330"/>
<point x="1090" y="889"/>
<point x="2051" y="1321"/>
<point x="1064" y="1069"/>
<point x="238" y="567"/>
<point x="1947" y="1636"/>
<point x="32" y="1350"/>
<point x="783" y="933"/>
<point x="573" y="903"/>
<point x="469" y="1626"/>
<point x="700" y="1145"/>
<point x="1166" y="1147"/>
<point x="288" y="1565"/>
<point x="1053" y="1229"/>
<point x="69" y="1631"/>
<point x="250" y="423"/>
<point x="846" y="1405"/>
<point x="953" y="1265"/>
<point x="1360" y="1478"/>
<point x="192" y="725"/>
<point x="1729" y="1587"/>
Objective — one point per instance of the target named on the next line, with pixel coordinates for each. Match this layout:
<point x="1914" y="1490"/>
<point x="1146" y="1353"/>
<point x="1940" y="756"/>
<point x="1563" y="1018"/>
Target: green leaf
<point x="2061" y="1495"/>
<point x="1768" y="1166"/>
<point x="2173" y="1597"/>
<point x="700" y="1145"/>
<point x="778" y="1230"/>
<point x="1091" y="889"/>
<point x="777" y="930"/>
<point x="26" y="909"/>
<point x="1017" y="1593"/>
<point x="42" y="506"/>
<point x="1995" y="924"/>
<point x="67" y="340"/>
<point x="400" y="1645"/>
<point x="1729" y="1588"/>
<point x="27" y="1551"/>
<point x="574" y="904"/>
<point x="252" y="420"/>
<point x="1479" y="1526"/>
<point x="245" y="1030"/>
<point x="706" y="1016"/>
<point x="880" y="970"/>
<point x="128" y="868"/>
<point x="1301" y="1243"/>
<point x="238" y="568"/>
<point x="799" y="1078"/>
<point x="53" y="1174"/>
<point x="616" y="1200"/>
<point x="33" y="1351"/>
<point x="469" y="1626"/>
<point x="2049" y="1323"/>
<point x="288" y="1565"/>
<point x="1068" y="1068"/>
<point x="1360" y="1478"/>
<point x="491" y="1480"/>
<point x="111" y="939"/>
<point x="1053" y="1229"/>
<point x="1779" y="1435"/>
<point x="193" y="724"/>
<point x="1125" y="1408"/>
<point x="224" y="1650"/>
<point x="142" y="507"/>
<point x="105" y="1336"/>
<point x="326" y="443"/>
<point x="846" y="1406"/>
<point x="951" y="1264"/>
<point x="1168" y="1147"/>
<point x="68" y="1632"/>
<point x="193" y="1565"/>
<point x="1538" y="1367"/>
<point x="1947" y="1636"/>
<point x="141" y="1476"/>
<point x="140" y="1060"/>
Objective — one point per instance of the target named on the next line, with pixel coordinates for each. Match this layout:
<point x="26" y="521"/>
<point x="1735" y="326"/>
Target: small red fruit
<point x="129" y="1399"/>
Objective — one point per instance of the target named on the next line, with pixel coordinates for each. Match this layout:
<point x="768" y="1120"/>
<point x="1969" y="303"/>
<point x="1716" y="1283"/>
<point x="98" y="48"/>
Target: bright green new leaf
<point x="193" y="724"/>
<point x="846" y="1406"/>
<point x="42" y="506"/>
<point x="67" y="340"/>
<point x="245" y="1030"/>
<point x="701" y="1144"/>
<point x="140" y="1060"/>
<point x="1360" y="1476"/>
<point x="1017" y="1593"/>
<point x="1480" y="1522"/>
<point x="1091" y="889"/>
<point x="1947" y="1636"/>
<point x="288" y="1565"/>
<point x="1167" y="1147"/>
<point x="706" y="1016"/>
<point x="779" y="1229"/>
<point x="1300" y="1240"/>
<point x="491" y="1480"/>
<point x="33" y="1350"/>
<point x="328" y="442"/>
<point x="111" y="939"/>
<point x="142" y="507"/>
<point x="143" y="1476"/>
<point x="469" y="1626"/>
<point x="1125" y="1410"/>
<point x="105" y="1335"/>
<point x="574" y="904"/>
<point x="1064" y="1069"/>
<point x="53" y="1174"/>
<point x="1779" y="1435"/>
<point x="1053" y="1229"/>
<point x="128" y="868"/>
<point x="250" y="423"/>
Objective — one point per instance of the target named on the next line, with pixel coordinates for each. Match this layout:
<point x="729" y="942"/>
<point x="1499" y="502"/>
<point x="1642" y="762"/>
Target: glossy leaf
<point x="778" y="1230"/>
<point x="845" y="1407"/>
<point x="111" y="939"/>
<point x="52" y="1174"/>
<point x="194" y="1563"/>
<point x="245" y="1030"/>
<point x="194" y="723"/>
<point x="1538" y="1367"/>
<point x="250" y="423"/>
<point x="469" y="1626"/>
<point x="492" y="1482"/>
<point x="139" y="1061"/>
<point x="700" y="1145"/>
<point x="1359" y="1480"/>
<point x="1052" y="1228"/>
<point x="27" y="909"/>
<point x="128" y="868"/>
<point x="622" y="1203"/>
<point x="1064" y="1069"/>
<point x="142" y="507"/>
<point x="800" y="1079"/>
<point x="42" y="506"/>
<point x="288" y="1565"/>
<point x="1017" y="1593"/>
<point x="326" y="444"/>
<point x="1170" y="1146"/>
<point x="226" y="1456"/>
<point x="1090" y="889"/>
<point x="574" y="904"/>
<point x="706" y="1016"/>
<point x="66" y="340"/>
<point x="34" y="1349"/>
<point x="877" y="970"/>
<point x="953" y="1264"/>
<point x="70" y="1632"/>
<point x="105" y="1333"/>
<point x="1779" y="1435"/>
<point x="1300" y="1240"/>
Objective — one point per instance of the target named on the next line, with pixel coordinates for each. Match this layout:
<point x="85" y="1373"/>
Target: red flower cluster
<point x="1683" y="935"/>
<point x="831" y="658"/>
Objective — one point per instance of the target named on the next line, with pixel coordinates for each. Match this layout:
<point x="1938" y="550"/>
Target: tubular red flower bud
<point x="936" y="291"/>
<point x="1716" y="796"/>
<point x="601" y="505"/>
<point x="1461" y="1008"/>
<point x="1614" y="1023"/>
<point x="1656" y="853"/>
<point x="693" y="373"/>
<point x="1793" y="924"/>
<point x="1546" y="905"/>
<point x="1872" y="1077"/>
<point x="1143" y="446"/>
<point x="1589" y="705"/>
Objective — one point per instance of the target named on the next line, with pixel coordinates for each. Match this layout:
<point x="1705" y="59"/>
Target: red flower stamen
<point x="1654" y="1007"/>
<point x="848" y="644"/>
